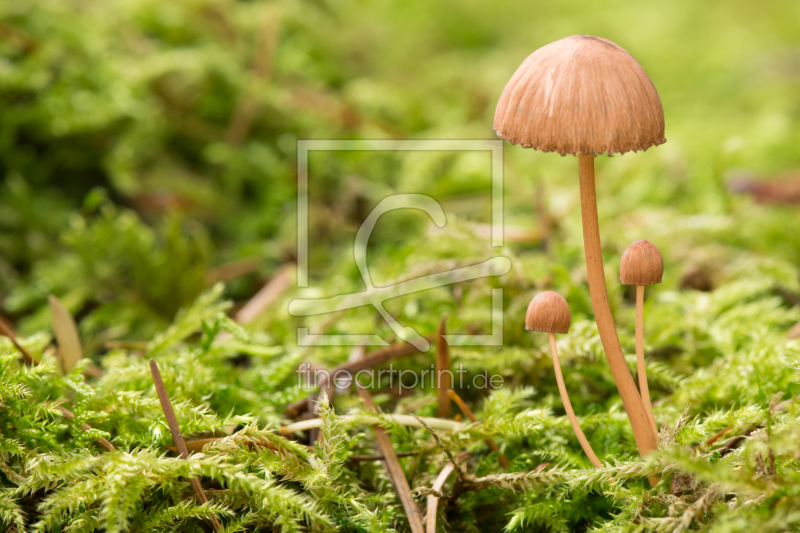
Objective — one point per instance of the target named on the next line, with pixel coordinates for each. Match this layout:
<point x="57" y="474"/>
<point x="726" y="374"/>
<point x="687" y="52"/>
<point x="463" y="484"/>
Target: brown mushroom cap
<point x="581" y="94"/>
<point x="548" y="312"/>
<point x="641" y="264"/>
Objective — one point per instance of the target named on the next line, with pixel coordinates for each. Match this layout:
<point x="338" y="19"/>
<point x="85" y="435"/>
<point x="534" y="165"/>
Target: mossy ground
<point x="144" y="143"/>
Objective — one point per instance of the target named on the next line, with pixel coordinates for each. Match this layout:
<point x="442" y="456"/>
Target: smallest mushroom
<point x="549" y="312"/>
<point x="642" y="265"/>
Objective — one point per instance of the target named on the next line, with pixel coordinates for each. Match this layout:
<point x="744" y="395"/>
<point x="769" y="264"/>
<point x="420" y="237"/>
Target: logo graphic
<point x="375" y="296"/>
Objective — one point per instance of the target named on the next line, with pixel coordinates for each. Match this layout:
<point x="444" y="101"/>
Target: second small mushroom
<point x="642" y="265"/>
<point x="549" y="312"/>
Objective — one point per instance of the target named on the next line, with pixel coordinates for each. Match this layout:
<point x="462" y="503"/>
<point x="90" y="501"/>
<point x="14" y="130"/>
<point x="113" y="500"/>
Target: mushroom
<point x="585" y="95"/>
<point x="549" y="312"/>
<point x="642" y="265"/>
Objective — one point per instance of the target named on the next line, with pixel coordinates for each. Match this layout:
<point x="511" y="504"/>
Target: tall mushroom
<point x="585" y="95"/>
<point x="549" y="312"/>
<point x="642" y="265"/>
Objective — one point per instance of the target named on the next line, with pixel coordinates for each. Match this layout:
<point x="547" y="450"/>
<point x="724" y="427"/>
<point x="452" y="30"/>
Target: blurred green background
<point x="143" y="143"/>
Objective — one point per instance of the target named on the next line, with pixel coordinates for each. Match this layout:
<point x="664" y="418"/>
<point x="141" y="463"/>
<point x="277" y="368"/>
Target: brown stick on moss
<point x="69" y="415"/>
<point x="393" y="468"/>
<point x="6" y="330"/>
<point x="172" y="422"/>
<point x="443" y="372"/>
<point x="501" y="458"/>
<point x="438" y="484"/>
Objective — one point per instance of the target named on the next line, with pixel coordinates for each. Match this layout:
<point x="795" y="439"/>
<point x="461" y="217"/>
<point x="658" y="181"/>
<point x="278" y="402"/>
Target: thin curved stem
<point x="640" y="368"/>
<point x="562" y="389"/>
<point x="642" y="432"/>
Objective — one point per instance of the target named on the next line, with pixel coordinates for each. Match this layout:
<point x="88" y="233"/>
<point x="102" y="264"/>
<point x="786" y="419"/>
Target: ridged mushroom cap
<point x="548" y="312"/>
<point x="582" y="94"/>
<point x="641" y="264"/>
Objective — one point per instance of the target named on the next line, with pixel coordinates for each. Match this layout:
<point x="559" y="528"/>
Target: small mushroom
<point x="586" y="96"/>
<point x="549" y="312"/>
<point x="642" y="265"/>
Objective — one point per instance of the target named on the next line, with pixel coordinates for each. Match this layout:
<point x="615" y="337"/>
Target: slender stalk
<point x="177" y="437"/>
<point x="642" y="431"/>
<point x="394" y="469"/>
<point x="640" y="368"/>
<point x="69" y="415"/>
<point x="562" y="390"/>
<point x="501" y="458"/>
<point x="442" y="373"/>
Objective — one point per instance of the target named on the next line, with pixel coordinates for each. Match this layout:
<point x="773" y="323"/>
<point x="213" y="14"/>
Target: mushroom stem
<point x="640" y="368"/>
<point x="562" y="390"/>
<point x="642" y="431"/>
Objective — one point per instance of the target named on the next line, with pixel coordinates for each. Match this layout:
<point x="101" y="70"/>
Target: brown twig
<point x="70" y="350"/>
<point x="366" y="458"/>
<point x="501" y="458"/>
<point x="6" y="330"/>
<point x="177" y="438"/>
<point x="18" y="38"/>
<point x="794" y="333"/>
<point x="715" y="438"/>
<point x="126" y="345"/>
<point x="247" y="106"/>
<point x="462" y="474"/>
<point x="377" y="357"/>
<point x="295" y="409"/>
<point x="394" y="469"/>
<point x="266" y="296"/>
<point x="233" y="269"/>
<point x="443" y="384"/>
<point x="438" y="484"/>
<point x="69" y="415"/>
<point x="194" y="446"/>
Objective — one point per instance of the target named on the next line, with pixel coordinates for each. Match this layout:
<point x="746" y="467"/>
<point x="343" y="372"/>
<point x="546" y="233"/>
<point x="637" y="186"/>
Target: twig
<point x="193" y="446"/>
<point x="462" y="474"/>
<point x="177" y="438"/>
<point x="794" y="332"/>
<point x="18" y="38"/>
<point x="247" y="106"/>
<point x="403" y="420"/>
<point x="442" y="371"/>
<point x="126" y="345"/>
<point x="715" y="438"/>
<point x="352" y="366"/>
<point x="394" y="469"/>
<point x="266" y="296"/>
<point x="375" y="358"/>
<point x="366" y="458"/>
<point x="69" y="415"/>
<point x="6" y="330"/>
<point x="501" y="458"/>
<point x="233" y="269"/>
<point x="438" y="484"/>
<point x="69" y="340"/>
